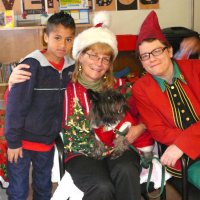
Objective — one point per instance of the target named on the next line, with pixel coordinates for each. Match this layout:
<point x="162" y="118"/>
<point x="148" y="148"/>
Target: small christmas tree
<point x="77" y="137"/>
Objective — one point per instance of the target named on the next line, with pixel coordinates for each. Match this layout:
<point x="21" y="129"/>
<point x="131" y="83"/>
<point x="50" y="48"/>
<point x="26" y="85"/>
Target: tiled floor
<point x="2" y="194"/>
<point x="171" y="194"/>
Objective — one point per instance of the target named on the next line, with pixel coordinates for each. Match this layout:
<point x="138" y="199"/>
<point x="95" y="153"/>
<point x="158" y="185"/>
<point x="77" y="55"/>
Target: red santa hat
<point x="98" y="33"/>
<point x="151" y="29"/>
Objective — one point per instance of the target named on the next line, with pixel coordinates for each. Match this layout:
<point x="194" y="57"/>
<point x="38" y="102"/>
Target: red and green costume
<point x="157" y="109"/>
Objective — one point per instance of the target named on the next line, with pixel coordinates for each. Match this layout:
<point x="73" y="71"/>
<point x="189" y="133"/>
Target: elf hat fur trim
<point x="98" y="33"/>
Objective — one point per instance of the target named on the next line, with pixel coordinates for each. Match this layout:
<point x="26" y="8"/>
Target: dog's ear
<point x="93" y="96"/>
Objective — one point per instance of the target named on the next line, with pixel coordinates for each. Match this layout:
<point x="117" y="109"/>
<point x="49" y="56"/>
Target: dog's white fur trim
<point x="124" y="126"/>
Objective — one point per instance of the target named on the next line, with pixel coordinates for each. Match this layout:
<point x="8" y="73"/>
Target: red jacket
<point x="156" y="112"/>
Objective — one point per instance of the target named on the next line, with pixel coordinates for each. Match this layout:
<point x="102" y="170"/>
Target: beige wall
<point x="197" y="15"/>
<point x="171" y="13"/>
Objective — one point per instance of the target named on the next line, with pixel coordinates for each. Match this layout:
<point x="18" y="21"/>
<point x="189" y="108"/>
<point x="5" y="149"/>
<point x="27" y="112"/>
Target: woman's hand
<point x="134" y="132"/>
<point x="19" y="75"/>
<point x="14" y="154"/>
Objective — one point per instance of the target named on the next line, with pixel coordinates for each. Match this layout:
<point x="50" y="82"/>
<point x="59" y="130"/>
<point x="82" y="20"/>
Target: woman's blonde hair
<point x="108" y="80"/>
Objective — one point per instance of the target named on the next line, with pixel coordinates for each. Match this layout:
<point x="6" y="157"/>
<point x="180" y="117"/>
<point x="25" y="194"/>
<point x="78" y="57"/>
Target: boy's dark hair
<point x="60" y="18"/>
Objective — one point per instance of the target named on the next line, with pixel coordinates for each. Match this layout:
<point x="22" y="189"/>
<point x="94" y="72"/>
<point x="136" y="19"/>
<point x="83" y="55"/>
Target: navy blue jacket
<point x="35" y="107"/>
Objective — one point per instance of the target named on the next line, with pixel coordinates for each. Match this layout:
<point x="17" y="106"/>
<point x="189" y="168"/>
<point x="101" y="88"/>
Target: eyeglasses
<point x="93" y="57"/>
<point x="155" y="52"/>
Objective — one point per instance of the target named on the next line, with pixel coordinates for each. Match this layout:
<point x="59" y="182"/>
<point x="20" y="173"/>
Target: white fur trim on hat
<point x="102" y="17"/>
<point x="96" y="34"/>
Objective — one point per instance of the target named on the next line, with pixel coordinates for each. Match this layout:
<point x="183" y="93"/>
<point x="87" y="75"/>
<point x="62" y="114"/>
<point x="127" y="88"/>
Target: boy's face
<point x="59" y="42"/>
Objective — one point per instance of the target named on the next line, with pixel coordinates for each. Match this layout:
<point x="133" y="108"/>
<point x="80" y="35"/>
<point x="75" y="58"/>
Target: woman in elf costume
<point x="94" y="51"/>
<point x="174" y="120"/>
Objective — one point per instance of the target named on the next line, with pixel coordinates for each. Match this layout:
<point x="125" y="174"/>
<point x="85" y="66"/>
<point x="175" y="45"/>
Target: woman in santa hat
<point x="94" y="51"/>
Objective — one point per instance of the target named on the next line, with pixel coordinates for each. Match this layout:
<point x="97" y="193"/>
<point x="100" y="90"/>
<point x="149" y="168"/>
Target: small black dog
<point x="108" y="109"/>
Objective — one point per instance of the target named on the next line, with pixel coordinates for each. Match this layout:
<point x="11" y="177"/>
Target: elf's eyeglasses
<point x="105" y="60"/>
<point x="155" y="52"/>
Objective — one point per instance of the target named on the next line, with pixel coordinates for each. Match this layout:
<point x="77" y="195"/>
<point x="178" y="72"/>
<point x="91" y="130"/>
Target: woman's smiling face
<point x="94" y="64"/>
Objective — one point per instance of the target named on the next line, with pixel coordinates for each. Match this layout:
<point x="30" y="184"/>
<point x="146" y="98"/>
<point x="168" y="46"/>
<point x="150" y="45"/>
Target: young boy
<point x="34" y="111"/>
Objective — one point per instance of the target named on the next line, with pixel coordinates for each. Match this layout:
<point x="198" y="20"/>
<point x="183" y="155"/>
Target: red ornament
<point x="24" y="15"/>
<point x="99" y="25"/>
<point x="8" y="4"/>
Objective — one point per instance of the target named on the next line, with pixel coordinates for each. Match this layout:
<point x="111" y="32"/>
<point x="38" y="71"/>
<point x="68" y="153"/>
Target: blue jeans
<point x="18" y="174"/>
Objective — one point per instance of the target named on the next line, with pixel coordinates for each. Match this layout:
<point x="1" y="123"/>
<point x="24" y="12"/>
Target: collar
<point x="126" y="118"/>
<point x="57" y="66"/>
<point x="177" y="75"/>
<point x="38" y="55"/>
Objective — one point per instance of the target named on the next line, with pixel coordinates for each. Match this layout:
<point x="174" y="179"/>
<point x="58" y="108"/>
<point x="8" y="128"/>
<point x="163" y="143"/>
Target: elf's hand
<point x="171" y="155"/>
<point x="14" y="154"/>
